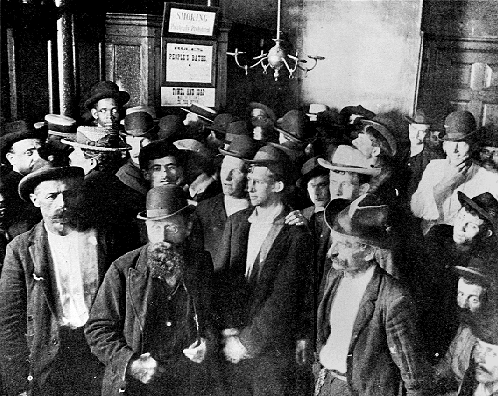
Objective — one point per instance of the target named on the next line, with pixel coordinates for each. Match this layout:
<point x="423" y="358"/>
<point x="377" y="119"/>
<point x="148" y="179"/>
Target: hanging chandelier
<point x="277" y="57"/>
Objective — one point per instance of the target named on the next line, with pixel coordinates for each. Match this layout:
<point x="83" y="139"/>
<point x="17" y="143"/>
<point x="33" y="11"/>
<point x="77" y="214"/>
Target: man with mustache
<point x="367" y="338"/>
<point x="150" y="321"/>
<point x="161" y="163"/>
<point x="50" y="278"/>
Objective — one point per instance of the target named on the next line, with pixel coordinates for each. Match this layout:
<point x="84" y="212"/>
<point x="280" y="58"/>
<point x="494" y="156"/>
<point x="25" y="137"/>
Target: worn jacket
<point x="124" y="308"/>
<point x="268" y="314"/>
<point x="29" y="330"/>
<point x="384" y="347"/>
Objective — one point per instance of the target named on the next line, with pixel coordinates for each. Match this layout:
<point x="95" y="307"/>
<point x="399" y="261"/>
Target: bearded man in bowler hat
<point x="150" y="321"/>
<point x="50" y="278"/>
<point x="367" y="339"/>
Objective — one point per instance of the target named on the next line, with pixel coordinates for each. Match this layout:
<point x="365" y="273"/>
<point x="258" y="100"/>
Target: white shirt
<point x="258" y="231"/>
<point x="423" y="205"/>
<point x="75" y="260"/>
<point x="234" y="205"/>
<point x="345" y="307"/>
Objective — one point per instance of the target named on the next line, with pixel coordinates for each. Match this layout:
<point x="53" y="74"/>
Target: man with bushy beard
<point x="149" y="323"/>
<point x="50" y="278"/>
<point x="476" y="294"/>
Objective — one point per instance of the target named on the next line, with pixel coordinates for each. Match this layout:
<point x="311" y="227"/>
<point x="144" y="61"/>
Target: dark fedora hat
<point x="360" y="111"/>
<point x="170" y="126"/>
<point x="60" y="125"/>
<point x="484" y="204"/>
<point x="241" y="146"/>
<point x="138" y="124"/>
<point x="459" y="126"/>
<point x="383" y="130"/>
<point x="165" y="201"/>
<point x="309" y="170"/>
<point x="47" y="172"/>
<point x="106" y="89"/>
<point x="17" y="131"/>
<point x="479" y="271"/>
<point x="291" y="125"/>
<point x="276" y="160"/>
<point x="140" y="108"/>
<point x="96" y="139"/>
<point x="236" y="128"/>
<point x="221" y="122"/>
<point x="419" y="117"/>
<point x="365" y="219"/>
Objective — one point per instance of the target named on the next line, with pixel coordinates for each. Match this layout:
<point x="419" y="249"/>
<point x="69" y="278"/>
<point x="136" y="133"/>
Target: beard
<point x="466" y="317"/>
<point x="164" y="261"/>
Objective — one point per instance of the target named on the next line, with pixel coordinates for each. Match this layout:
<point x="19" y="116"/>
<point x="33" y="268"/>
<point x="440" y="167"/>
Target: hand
<point x="302" y="347"/>
<point x="456" y="174"/>
<point x="144" y="368"/>
<point x="197" y="351"/>
<point x="295" y="218"/>
<point x="234" y="350"/>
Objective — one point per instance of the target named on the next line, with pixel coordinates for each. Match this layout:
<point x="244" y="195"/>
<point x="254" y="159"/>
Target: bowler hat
<point x="221" y="122"/>
<point x="139" y="124"/>
<point x="60" y="125"/>
<point x="236" y="128"/>
<point x="309" y="170"/>
<point x="484" y="204"/>
<point x="459" y="126"/>
<point x="96" y="139"/>
<point x="47" y="172"/>
<point x="165" y="201"/>
<point x="291" y="125"/>
<point x="170" y="126"/>
<point x="365" y="220"/>
<point x="274" y="159"/>
<point x="17" y="131"/>
<point x="384" y="131"/>
<point x="418" y="118"/>
<point x="269" y="112"/>
<point x="349" y="159"/>
<point x="479" y="271"/>
<point x="241" y="146"/>
<point x="106" y="89"/>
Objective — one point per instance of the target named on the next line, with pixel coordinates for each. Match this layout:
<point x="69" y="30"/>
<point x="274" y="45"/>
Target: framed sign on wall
<point x="183" y="20"/>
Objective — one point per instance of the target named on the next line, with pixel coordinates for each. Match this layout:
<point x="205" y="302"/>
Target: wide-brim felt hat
<point x="366" y="220"/>
<point x="269" y="112"/>
<point x="349" y="159"/>
<point x="46" y="172"/>
<point x="384" y="131"/>
<point x="106" y="89"/>
<point x="241" y="146"/>
<point x="419" y="118"/>
<point x="221" y="122"/>
<point x="140" y="108"/>
<point x="165" y="201"/>
<point x="479" y="271"/>
<point x="97" y="139"/>
<point x="294" y="150"/>
<point x="17" y="131"/>
<point x="292" y="125"/>
<point x="484" y="204"/>
<point x="139" y="124"/>
<point x="310" y="169"/>
<point x="203" y="112"/>
<point x="276" y="160"/>
<point x="459" y="126"/>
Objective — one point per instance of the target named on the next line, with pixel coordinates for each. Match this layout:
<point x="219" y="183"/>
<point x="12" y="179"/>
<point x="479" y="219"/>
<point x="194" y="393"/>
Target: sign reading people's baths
<point x="189" y="55"/>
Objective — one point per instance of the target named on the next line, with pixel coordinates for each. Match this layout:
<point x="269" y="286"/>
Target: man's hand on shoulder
<point x="296" y="218"/>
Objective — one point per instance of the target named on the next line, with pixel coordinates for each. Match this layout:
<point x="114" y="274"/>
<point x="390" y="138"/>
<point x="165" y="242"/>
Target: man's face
<point x="105" y="111"/>
<point x="172" y="230"/>
<point x="486" y="358"/>
<point x="417" y="133"/>
<point x="136" y="144"/>
<point x="57" y="200"/>
<point x="261" y="187"/>
<point x="23" y="155"/>
<point x="466" y="227"/>
<point x="349" y="255"/>
<point x="364" y="144"/>
<point x="344" y="185"/>
<point x="489" y="158"/>
<point x="318" y="190"/>
<point x="164" y="171"/>
<point x="470" y="295"/>
<point x="456" y="152"/>
<point x="233" y="177"/>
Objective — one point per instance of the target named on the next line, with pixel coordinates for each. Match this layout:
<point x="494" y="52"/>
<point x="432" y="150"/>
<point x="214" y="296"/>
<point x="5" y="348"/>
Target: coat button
<point x="30" y="378"/>
<point x="168" y="323"/>
<point x="55" y="341"/>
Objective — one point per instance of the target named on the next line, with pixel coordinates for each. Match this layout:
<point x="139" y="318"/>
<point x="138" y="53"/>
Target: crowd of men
<point x="323" y="253"/>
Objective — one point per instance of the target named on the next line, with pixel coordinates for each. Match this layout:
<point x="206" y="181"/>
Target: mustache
<point x="483" y="369"/>
<point x="62" y="214"/>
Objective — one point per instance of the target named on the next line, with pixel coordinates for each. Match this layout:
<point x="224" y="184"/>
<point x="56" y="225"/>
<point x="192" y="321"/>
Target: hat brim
<point x="346" y="168"/>
<point x="412" y="121"/>
<point x="233" y="154"/>
<point x="464" y="200"/>
<point x="385" y="132"/>
<point x="472" y="274"/>
<point x="288" y="135"/>
<point x="30" y="181"/>
<point x="94" y="148"/>
<point x="143" y="215"/>
<point x="444" y="138"/>
<point x="197" y="114"/>
<point x="122" y="97"/>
